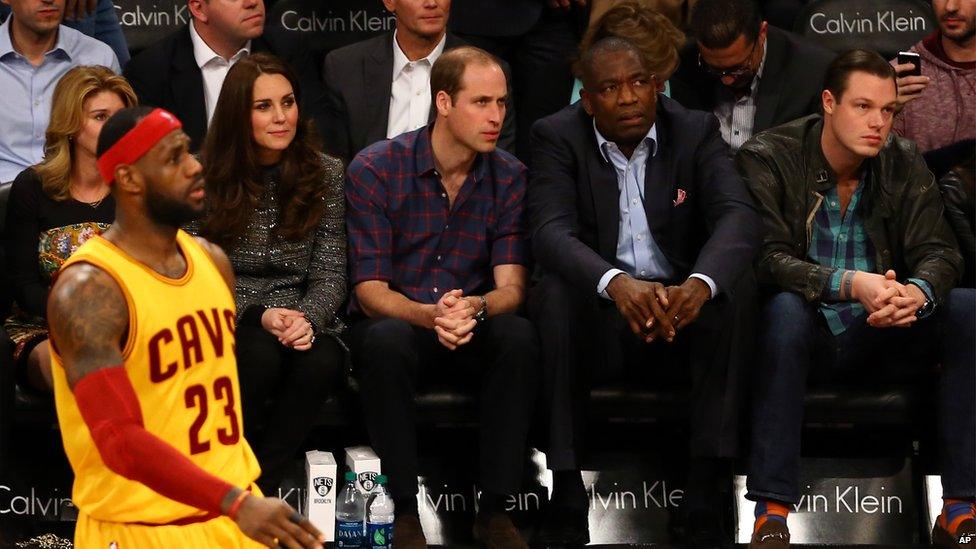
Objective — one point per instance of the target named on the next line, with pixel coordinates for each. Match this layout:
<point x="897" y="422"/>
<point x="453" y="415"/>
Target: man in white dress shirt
<point x="357" y="112"/>
<point x="183" y="73"/>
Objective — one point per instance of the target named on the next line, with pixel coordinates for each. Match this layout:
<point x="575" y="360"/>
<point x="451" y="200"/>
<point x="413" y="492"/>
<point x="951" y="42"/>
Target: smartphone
<point x="913" y="58"/>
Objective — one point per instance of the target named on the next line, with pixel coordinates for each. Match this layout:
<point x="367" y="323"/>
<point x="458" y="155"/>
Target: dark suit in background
<point x="538" y="42"/>
<point x="789" y="88"/>
<point x="358" y="81"/>
<point x="166" y="75"/>
<point x="704" y="221"/>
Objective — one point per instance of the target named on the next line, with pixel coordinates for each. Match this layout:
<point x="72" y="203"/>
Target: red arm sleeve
<point x="110" y="408"/>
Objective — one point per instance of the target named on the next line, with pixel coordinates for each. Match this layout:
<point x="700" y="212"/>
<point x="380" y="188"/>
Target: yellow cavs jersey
<point x="179" y="355"/>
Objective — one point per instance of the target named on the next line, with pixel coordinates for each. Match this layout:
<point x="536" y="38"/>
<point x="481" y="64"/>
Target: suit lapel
<point x="659" y="192"/>
<point x="187" y="88"/>
<point x="378" y="78"/>
<point x="606" y="199"/>
<point x="770" y="86"/>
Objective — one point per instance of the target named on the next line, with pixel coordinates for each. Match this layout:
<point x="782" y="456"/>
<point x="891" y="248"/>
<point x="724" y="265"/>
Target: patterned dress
<point x="41" y="234"/>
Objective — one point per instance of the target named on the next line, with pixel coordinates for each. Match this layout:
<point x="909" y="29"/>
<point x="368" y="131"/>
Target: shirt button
<point x="643" y="273"/>
<point x="443" y="195"/>
<point x="438" y="258"/>
<point x="834" y="204"/>
<point x="435" y="289"/>
<point x="640" y="236"/>
<point x="418" y="93"/>
<point x="37" y="102"/>
<point x="634" y="202"/>
<point x="446" y="227"/>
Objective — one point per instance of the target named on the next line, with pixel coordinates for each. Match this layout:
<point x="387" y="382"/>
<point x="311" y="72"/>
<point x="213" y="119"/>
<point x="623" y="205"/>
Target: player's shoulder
<point x="219" y="258"/>
<point x="79" y="281"/>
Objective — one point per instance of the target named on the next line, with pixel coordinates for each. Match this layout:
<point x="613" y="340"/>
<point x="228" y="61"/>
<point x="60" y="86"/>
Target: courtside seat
<point x="895" y="406"/>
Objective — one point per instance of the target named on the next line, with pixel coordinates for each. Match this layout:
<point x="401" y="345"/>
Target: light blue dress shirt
<point x="27" y="92"/>
<point x="638" y="254"/>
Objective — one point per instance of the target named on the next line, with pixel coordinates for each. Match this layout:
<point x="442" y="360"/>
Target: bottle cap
<point x="350" y="476"/>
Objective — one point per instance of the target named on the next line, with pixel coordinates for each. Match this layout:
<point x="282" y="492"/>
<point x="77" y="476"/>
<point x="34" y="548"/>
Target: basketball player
<point x="143" y="363"/>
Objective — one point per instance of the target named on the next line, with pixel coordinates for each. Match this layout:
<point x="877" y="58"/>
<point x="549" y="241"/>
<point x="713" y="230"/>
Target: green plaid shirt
<point x="842" y="243"/>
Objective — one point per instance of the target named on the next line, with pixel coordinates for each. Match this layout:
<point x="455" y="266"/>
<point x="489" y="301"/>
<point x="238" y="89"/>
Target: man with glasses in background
<point x="723" y="71"/>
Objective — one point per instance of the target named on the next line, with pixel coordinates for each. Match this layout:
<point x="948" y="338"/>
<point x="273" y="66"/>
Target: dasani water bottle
<point x="350" y="513"/>
<point x="379" y="517"/>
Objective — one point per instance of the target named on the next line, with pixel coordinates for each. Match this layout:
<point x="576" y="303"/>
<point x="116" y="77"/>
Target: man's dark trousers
<point x="500" y="364"/>
<point x="797" y="346"/>
<point x="585" y="340"/>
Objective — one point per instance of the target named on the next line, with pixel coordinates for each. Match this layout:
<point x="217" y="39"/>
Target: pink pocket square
<point x="682" y="195"/>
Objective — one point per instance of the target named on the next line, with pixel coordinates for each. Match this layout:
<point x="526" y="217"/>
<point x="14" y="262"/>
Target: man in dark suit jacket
<point x="644" y="235"/>
<point x="359" y="79"/>
<point x="179" y="74"/>
<point x="752" y="76"/>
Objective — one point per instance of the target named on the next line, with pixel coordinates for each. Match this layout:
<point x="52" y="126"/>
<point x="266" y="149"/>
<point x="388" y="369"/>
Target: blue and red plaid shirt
<point x="402" y="230"/>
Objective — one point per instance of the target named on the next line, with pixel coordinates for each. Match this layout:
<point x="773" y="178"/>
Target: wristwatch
<point x="482" y="314"/>
<point x="926" y="309"/>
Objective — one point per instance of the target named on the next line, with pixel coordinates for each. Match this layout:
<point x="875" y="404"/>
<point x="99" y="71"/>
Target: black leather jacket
<point x="787" y="174"/>
<point x="960" y="209"/>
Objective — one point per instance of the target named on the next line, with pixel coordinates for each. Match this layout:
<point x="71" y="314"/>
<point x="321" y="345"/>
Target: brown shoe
<point x="771" y="535"/>
<point x="496" y="531"/>
<point x="407" y="533"/>
<point x="964" y="537"/>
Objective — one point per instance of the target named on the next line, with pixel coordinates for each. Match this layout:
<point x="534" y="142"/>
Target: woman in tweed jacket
<point x="277" y="208"/>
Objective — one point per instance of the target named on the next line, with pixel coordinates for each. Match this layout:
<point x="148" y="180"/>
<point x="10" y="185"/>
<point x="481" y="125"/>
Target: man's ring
<point x="295" y="517"/>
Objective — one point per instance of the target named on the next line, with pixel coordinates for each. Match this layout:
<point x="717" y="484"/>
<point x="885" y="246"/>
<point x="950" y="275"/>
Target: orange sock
<point x="770" y="510"/>
<point x="954" y="512"/>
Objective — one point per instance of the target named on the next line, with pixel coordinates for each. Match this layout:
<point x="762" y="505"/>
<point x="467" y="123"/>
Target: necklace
<point x="94" y="204"/>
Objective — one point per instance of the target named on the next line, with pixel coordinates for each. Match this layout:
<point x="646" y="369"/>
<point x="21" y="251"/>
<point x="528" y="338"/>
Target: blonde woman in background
<point x="56" y="206"/>
<point x="648" y="24"/>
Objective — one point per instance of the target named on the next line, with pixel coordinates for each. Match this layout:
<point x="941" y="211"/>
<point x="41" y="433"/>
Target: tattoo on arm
<point x="88" y="317"/>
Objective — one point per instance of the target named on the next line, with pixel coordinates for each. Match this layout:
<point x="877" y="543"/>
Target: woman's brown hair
<point x="232" y="171"/>
<point x="638" y="22"/>
<point x="68" y="116"/>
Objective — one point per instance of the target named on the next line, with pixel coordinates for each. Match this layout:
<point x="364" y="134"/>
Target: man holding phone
<point x="937" y="101"/>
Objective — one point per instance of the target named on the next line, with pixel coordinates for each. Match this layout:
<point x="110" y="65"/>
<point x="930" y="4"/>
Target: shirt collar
<point x="601" y="141"/>
<point x="424" y="156"/>
<point x="205" y="54"/>
<point x="400" y="59"/>
<point x="63" y="43"/>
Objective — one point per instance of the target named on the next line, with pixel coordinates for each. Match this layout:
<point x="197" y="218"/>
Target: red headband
<point x="137" y="142"/>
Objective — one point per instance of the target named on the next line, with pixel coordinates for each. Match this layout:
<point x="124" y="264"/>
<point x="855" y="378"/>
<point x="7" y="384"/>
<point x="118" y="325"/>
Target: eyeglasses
<point x="737" y="72"/>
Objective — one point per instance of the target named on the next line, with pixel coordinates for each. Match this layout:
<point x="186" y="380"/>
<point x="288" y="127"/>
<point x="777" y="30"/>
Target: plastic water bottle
<point x="379" y="517"/>
<point x="350" y="513"/>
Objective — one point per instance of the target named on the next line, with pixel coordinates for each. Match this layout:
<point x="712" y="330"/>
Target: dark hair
<point x="718" y="23"/>
<point x="637" y="22"/>
<point x="448" y="71"/>
<point x="231" y="167"/>
<point x="605" y="45"/>
<point x="839" y="71"/>
<point x="118" y="125"/>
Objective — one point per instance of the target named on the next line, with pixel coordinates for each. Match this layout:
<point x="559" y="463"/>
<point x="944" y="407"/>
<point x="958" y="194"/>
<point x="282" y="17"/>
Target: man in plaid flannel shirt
<point x="862" y="266"/>
<point x="438" y="260"/>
